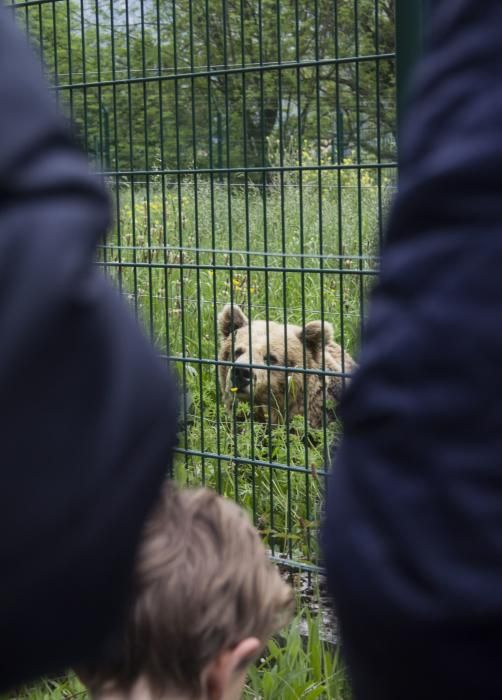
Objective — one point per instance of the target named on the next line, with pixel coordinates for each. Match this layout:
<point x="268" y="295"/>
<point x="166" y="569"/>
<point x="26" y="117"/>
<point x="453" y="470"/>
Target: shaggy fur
<point x="246" y="344"/>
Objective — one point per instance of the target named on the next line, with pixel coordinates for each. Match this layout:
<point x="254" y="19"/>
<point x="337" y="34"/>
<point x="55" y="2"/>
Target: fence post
<point x="409" y="40"/>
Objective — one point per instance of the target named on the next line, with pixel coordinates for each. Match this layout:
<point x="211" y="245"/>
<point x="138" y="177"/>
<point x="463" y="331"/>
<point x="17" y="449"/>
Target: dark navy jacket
<point x="413" y="537"/>
<point x="87" y="413"/>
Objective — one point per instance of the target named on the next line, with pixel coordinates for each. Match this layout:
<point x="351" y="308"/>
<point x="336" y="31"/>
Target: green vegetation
<point x="299" y="667"/>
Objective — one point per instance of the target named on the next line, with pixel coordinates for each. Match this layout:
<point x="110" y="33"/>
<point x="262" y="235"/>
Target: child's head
<point x="206" y="598"/>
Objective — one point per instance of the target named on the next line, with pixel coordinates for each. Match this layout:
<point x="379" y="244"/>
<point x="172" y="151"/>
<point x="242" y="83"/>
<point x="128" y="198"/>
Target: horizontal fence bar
<point x="205" y="73"/>
<point x="227" y="363"/>
<point x="236" y="251"/>
<point x="236" y="268"/>
<point x="253" y="462"/>
<point x="251" y="169"/>
<point x="296" y="564"/>
<point x="31" y="3"/>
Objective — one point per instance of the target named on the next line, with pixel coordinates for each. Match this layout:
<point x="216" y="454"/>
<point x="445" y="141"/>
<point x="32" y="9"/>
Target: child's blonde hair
<point x="203" y="584"/>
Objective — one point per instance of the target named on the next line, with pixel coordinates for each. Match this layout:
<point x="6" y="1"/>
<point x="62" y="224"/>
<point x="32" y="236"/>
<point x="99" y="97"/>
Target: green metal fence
<point x="250" y="148"/>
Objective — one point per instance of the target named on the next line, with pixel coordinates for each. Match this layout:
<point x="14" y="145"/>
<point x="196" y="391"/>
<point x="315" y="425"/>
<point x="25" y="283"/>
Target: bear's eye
<point x="238" y="352"/>
<point x="271" y="359"/>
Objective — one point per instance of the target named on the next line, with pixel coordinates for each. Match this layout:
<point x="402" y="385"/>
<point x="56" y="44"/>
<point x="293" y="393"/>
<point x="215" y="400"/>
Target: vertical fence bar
<point x="212" y="214"/>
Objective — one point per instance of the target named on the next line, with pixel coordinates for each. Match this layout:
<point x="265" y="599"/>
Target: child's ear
<point x="223" y="671"/>
<point x="245" y="653"/>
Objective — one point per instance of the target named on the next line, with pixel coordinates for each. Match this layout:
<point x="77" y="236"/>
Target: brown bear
<point x="277" y="393"/>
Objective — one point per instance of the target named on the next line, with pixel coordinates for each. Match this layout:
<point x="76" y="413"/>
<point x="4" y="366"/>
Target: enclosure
<point x="250" y="151"/>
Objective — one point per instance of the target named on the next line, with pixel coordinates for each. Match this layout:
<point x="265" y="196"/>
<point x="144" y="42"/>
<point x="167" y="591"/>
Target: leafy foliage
<point x="297" y="667"/>
<point x="177" y="85"/>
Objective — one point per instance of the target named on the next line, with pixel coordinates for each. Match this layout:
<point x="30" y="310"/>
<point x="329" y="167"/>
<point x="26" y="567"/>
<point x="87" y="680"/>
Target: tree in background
<point x="222" y="83"/>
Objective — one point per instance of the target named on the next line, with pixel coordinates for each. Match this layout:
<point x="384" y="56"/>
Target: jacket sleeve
<point x="87" y="412"/>
<point x="413" y="532"/>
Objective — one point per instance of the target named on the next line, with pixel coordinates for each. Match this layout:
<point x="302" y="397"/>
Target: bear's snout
<point x="241" y="377"/>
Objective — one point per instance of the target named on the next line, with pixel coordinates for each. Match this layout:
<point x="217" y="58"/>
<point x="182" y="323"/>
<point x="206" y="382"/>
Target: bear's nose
<point x="241" y="376"/>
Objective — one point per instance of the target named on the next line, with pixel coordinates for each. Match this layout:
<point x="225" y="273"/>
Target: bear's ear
<point x="231" y="319"/>
<point x="315" y="333"/>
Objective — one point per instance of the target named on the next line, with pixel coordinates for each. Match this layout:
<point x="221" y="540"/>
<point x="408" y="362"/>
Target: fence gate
<point x="250" y="150"/>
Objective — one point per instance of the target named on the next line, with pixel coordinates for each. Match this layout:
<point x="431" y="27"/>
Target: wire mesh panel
<point x="250" y="149"/>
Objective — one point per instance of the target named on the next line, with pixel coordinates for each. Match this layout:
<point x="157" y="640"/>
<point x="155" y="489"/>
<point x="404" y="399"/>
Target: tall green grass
<point x="299" y="667"/>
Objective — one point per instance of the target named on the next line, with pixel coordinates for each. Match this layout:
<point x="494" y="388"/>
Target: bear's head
<point x="259" y="354"/>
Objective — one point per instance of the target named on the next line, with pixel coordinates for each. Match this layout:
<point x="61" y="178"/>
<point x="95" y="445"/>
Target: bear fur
<point x="243" y="381"/>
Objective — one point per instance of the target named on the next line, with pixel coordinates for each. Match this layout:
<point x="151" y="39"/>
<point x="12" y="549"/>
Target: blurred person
<point x="87" y="412"/>
<point x="205" y="600"/>
<point x="413" y="534"/>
